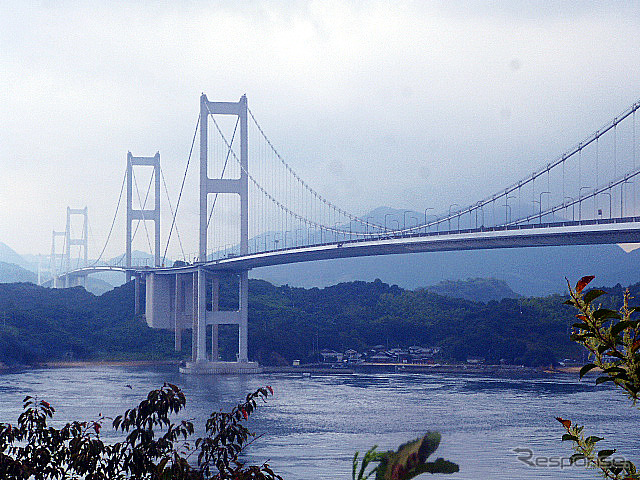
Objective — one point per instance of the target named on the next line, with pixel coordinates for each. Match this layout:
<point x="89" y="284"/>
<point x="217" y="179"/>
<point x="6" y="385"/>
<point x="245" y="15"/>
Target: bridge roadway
<point x="585" y="232"/>
<point x="84" y="271"/>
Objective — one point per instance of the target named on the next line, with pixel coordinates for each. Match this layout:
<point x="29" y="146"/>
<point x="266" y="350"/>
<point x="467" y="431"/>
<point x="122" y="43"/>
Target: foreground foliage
<point x="154" y="448"/>
<point x="409" y="461"/>
<point x="613" y="341"/>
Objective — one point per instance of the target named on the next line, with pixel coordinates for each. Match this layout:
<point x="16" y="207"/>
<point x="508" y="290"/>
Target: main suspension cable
<point x="184" y="178"/>
<point x="305" y="184"/>
<point x="166" y="191"/>
<point x="124" y="180"/>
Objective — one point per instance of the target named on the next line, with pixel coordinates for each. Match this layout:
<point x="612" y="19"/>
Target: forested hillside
<point x="288" y="323"/>
<point x="41" y="324"/>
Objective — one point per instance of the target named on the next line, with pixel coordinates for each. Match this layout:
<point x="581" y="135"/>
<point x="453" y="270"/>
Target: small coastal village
<point x="413" y="359"/>
<point x="381" y="354"/>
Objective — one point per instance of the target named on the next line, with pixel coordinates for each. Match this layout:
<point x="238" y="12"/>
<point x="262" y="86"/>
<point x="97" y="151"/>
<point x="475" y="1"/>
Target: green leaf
<point x="591" y="295"/>
<point x="606" y="453"/>
<point x="593" y="439"/>
<point x="587" y="368"/>
<point x="581" y="325"/>
<point x="568" y="436"/>
<point x="600" y="380"/>
<point x="618" y="327"/>
<point x="603" y="313"/>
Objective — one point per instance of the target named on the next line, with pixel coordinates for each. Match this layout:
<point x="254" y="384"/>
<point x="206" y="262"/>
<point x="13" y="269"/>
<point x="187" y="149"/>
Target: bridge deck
<point x="585" y="232"/>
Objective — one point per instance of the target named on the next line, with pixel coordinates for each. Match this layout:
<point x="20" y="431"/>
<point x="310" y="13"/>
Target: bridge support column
<point x="136" y="294"/>
<point x="215" y="317"/>
<point x="82" y="242"/>
<point x="243" y="298"/>
<point x="177" y="324"/>
<point x="194" y="315"/>
<point x="201" y="345"/>
<point x="215" y="301"/>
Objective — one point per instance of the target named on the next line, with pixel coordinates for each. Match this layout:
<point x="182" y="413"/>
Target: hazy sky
<point x="405" y="104"/>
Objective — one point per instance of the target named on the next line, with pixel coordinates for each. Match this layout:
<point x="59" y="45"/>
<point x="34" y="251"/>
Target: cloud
<point x="473" y="94"/>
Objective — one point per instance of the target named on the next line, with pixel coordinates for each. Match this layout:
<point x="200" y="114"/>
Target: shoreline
<point x="106" y="363"/>
<point x="321" y="369"/>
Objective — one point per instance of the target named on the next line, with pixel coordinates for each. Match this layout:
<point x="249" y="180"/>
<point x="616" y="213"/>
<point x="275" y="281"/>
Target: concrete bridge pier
<point x="203" y="362"/>
<point x="136" y="293"/>
<point x="178" y="301"/>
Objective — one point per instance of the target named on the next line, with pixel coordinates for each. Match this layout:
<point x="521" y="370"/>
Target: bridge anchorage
<point x="177" y="298"/>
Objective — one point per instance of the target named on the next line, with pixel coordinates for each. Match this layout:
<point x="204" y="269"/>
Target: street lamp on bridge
<point x="481" y="208"/>
<point x="449" y="218"/>
<point x="385" y="220"/>
<point x="580" y="202"/>
<point x="610" y="203"/>
<point x="573" y="207"/>
<point x="404" y="219"/>
<point x="540" y="217"/>
<point x="507" y="208"/>
<point x="622" y="196"/>
<point x="425" y="217"/>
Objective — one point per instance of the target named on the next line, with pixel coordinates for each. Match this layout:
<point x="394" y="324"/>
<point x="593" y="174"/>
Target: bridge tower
<point x="143" y="213"/>
<point x="82" y="241"/>
<point x="178" y="299"/>
<point x="54" y="258"/>
<point x="239" y="186"/>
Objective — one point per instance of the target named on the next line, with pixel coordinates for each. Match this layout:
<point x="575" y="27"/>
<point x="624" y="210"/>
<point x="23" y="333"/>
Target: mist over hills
<point x="24" y="268"/>
<point x="10" y="273"/>
<point x="528" y="271"/>
<point x="474" y="289"/>
<point x="8" y="255"/>
<point x="531" y="271"/>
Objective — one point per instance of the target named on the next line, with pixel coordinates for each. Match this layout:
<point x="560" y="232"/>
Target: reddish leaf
<point x="583" y="282"/>
<point x="270" y="389"/>
<point x="96" y="427"/>
<point x="244" y="414"/>
<point x="635" y="346"/>
<point x="566" y="423"/>
<point x="582" y="317"/>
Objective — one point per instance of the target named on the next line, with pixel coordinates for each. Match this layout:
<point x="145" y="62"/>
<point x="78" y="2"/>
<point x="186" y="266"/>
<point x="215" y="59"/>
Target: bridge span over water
<point x="585" y="196"/>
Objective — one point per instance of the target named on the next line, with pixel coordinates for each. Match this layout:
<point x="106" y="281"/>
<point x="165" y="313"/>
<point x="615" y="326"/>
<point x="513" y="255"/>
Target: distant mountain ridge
<point x="474" y="289"/>
<point x="532" y="271"/>
<point x="11" y="273"/>
<point x="9" y="255"/>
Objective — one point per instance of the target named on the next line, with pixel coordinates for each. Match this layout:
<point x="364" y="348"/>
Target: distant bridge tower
<point x="82" y="242"/>
<point x="56" y="259"/>
<point x="143" y="213"/>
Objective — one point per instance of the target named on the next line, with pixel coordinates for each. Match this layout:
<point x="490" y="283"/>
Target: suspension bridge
<point x="256" y="211"/>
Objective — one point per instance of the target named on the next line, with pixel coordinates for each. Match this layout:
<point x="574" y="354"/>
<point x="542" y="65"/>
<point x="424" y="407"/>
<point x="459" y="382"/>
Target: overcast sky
<point x="405" y="104"/>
